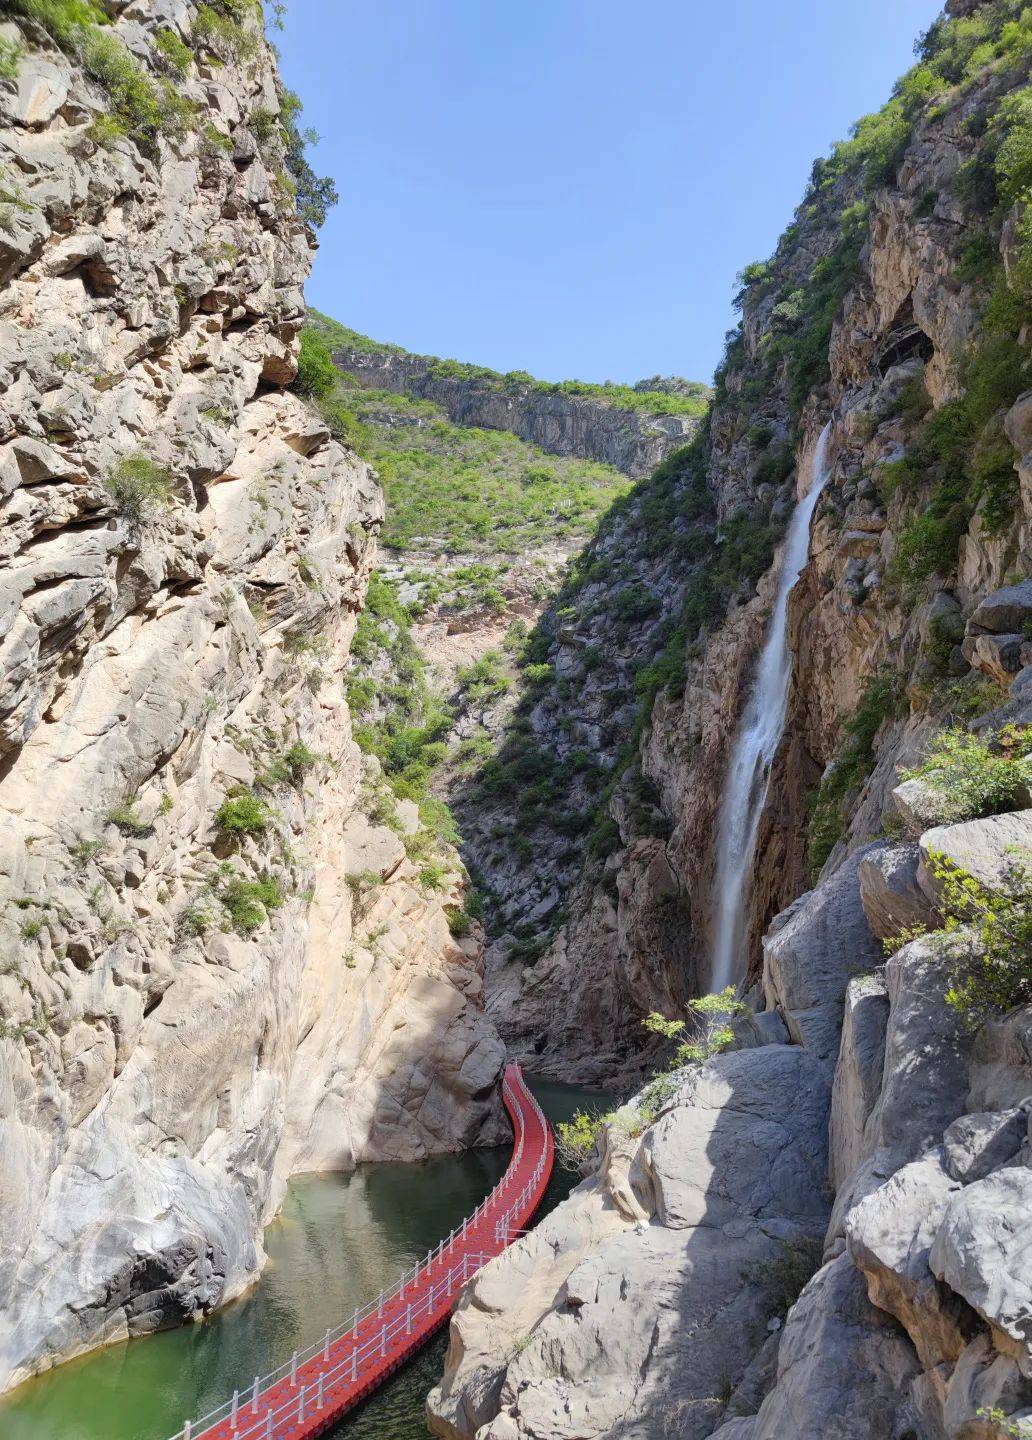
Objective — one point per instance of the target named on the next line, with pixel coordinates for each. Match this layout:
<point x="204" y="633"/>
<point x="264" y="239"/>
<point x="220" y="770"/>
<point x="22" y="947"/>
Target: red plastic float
<point x="317" y="1386"/>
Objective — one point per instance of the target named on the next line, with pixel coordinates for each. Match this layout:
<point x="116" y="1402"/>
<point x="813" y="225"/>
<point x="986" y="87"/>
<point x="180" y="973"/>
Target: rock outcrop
<point x="216" y="969"/>
<point x="919" y="1321"/>
<point x="633" y="440"/>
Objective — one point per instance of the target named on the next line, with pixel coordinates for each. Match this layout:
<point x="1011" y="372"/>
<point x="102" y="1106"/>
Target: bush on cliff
<point x="977" y="775"/>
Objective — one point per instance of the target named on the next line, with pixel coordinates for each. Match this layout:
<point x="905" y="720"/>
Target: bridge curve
<point x="317" y="1386"/>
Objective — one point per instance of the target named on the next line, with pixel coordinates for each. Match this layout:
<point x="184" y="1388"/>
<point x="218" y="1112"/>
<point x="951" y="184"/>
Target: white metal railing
<point x="242" y="1410"/>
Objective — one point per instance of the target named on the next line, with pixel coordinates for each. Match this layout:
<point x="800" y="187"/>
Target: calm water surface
<point x="337" y="1242"/>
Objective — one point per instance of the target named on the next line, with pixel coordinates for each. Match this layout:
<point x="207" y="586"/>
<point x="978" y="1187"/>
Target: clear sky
<point x="570" y="186"/>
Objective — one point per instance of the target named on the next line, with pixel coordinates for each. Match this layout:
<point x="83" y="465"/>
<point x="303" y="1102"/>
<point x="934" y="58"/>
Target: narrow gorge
<point x="369" y="719"/>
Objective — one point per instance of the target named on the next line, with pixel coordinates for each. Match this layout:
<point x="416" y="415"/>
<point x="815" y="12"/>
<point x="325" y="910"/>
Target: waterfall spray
<point x="759" y="733"/>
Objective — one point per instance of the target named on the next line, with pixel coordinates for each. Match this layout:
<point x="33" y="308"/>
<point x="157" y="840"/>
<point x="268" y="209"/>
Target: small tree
<point x="712" y="1032"/>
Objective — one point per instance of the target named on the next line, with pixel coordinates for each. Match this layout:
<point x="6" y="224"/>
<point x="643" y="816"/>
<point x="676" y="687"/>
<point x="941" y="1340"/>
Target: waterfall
<point x="763" y="720"/>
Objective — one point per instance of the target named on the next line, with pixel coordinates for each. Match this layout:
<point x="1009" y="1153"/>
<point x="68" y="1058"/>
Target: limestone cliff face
<point x="216" y="968"/>
<point x="632" y="440"/>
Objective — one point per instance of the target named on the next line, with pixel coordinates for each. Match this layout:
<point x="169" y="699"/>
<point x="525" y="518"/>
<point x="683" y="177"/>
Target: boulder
<point x="998" y="656"/>
<point x="843" y="1366"/>
<point x="981" y="1142"/>
<point x="1004" y="612"/>
<point x="983" y="1251"/>
<point x="859" y="1072"/>
<point x="984" y="849"/>
<point x="918" y="805"/>
<point x="892" y="899"/>
<point x="889" y="1236"/>
<point x="1001" y="1062"/>
<point x="812" y="951"/>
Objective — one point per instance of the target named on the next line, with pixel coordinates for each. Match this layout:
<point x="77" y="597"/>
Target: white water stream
<point x="763" y="720"/>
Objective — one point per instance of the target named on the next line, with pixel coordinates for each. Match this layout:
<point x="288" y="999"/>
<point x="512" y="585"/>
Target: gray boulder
<point x="843" y="1367"/>
<point x="889" y="1236"/>
<point x="979" y="1143"/>
<point x="893" y="900"/>
<point x="983" y="1251"/>
<point x="812" y="951"/>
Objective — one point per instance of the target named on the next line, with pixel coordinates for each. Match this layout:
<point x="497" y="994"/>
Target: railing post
<point x="319" y="1395"/>
<point x="301" y="1407"/>
<point x="268" y="1426"/>
<point x="383" y="1341"/>
<point x="354" y="1363"/>
<point x="408" y="1320"/>
<point x="379" y="1306"/>
<point x="236" y="1405"/>
<point x="254" y="1396"/>
<point x="186" y="1431"/>
<point x="293" y="1369"/>
<point x="326" y="1347"/>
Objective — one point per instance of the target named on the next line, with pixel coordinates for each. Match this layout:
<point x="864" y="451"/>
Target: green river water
<point x="337" y="1241"/>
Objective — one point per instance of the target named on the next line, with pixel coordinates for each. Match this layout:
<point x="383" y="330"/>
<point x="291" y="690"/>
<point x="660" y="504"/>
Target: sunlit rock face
<point x="191" y="1007"/>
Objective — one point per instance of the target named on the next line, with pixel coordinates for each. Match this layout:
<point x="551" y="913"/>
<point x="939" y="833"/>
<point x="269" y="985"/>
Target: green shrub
<point x="138" y="486"/>
<point x="126" y="819"/>
<point x="175" y="55"/>
<point x="314" y="195"/>
<point x="243" y="814"/>
<point x="987" y="939"/>
<point x="976" y="775"/>
<point x="248" y="902"/>
<point x="10" y="59"/>
<point x="222" y="28"/>
<point x="575" y="1139"/>
<point x="316" y="375"/>
<point x="484" y="680"/>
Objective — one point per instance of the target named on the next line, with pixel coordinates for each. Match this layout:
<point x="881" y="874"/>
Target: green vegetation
<point x="484" y="680"/>
<point x="126" y="819"/>
<point x="316" y="376"/>
<point x="291" y="766"/>
<point x="711" y="1035"/>
<point x="138" y="486"/>
<point x="986" y="939"/>
<point x="476" y="490"/>
<point x="248" y="903"/>
<point x="10" y="56"/>
<point x="977" y="775"/>
<point x="243" y="813"/>
<point x="830" y="804"/>
<point x="176" y="56"/>
<point x="227" y="30"/>
<point x="403" y="722"/>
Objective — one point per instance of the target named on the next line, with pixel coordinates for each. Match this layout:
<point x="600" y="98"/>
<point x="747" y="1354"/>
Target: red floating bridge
<point x="317" y="1386"/>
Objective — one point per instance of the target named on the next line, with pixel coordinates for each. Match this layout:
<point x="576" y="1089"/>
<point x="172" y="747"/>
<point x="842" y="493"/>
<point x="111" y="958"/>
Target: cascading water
<point x="757" y="740"/>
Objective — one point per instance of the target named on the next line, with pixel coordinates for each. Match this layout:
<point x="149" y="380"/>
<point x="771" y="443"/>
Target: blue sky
<point x="570" y="186"/>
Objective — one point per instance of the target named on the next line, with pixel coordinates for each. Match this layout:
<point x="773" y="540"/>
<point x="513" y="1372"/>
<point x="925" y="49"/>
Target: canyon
<point x="369" y="717"/>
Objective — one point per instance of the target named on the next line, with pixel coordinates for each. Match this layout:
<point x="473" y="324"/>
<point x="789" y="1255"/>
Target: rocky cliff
<point x="820" y="1231"/>
<point x="895" y="305"/>
<point x="220" y="961"/>
<point x="631" y="428"/>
